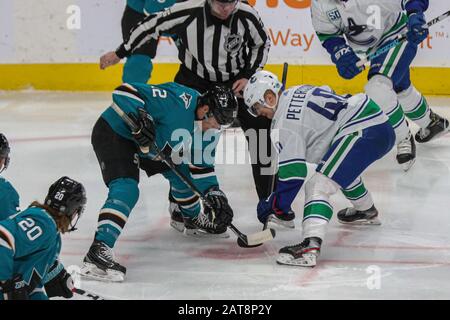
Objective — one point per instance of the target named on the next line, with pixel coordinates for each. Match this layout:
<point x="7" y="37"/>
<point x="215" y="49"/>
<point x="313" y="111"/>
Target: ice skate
<point x="303" y="254"/>
<point x="176" y="218"/>
<point x="99" y="264"/>
<point x="285" y="220"/>
<point x="437" y="127"/>
<point x="201" y="227"/>
<point x="406" y="152"/>
<point x="353" y="216"/>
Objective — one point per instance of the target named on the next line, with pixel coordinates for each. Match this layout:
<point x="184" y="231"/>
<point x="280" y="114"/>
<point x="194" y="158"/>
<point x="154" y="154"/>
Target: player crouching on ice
<point x="30" y="244"/>
<point x="165" y="114"/>
<point x="9" y="198"/>
<point x="315" y="125"/>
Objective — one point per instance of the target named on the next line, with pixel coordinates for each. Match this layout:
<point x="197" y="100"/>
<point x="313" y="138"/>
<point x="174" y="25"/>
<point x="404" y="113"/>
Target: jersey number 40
<point x="328" y="104"/>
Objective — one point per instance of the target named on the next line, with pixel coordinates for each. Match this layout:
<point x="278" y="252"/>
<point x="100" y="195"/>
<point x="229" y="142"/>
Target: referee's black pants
<point x="261" y="125"/>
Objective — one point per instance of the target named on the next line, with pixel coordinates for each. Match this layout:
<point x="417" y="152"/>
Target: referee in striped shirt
<point x="222" y="42"/>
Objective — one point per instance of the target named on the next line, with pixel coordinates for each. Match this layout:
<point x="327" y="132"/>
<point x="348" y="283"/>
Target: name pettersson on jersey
<point x="233" y="309"/>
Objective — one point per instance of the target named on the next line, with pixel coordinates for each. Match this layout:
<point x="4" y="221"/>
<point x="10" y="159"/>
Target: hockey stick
<point x="397" y="41"/>
<point x="133" y="126"/>
<point x="283" y="87"/>
<point x="87" y="294"/>
<point x="284" y="76"/>
<point x="247" y="241"/>
<point x="272" y="181"/>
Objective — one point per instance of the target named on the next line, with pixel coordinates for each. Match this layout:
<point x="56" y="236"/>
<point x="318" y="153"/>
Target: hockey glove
<point x="145" y="135"/>
<point x="217" y="208"/>
<point x="60" y="286"/>
<point x="15" y="288"/>
<point x="417" y="28"/>
<point x="268" y="206"/>
<point x="345" y="59"/>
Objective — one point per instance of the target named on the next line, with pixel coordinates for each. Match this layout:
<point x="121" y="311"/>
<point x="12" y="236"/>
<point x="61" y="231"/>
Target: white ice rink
<point x="50" y="137"/>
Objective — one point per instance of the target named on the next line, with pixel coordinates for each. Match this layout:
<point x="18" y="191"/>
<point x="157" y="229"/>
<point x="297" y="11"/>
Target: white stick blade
<point x="259" y="237"/>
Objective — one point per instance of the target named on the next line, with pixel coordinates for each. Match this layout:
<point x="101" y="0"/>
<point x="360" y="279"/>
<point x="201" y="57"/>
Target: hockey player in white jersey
<point x="348" y="28"/>
<point x="343" y="136"/>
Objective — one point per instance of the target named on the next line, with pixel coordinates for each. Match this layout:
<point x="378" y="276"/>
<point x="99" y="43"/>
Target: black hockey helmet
<point x="4" y="151"/>
<point x="222" y="104"/>
<point x="68" y="197"/>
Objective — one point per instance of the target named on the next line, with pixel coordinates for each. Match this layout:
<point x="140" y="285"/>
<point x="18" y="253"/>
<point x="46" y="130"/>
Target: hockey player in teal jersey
<point x="9" y="198"/>
<point x="171" y="116"/>
<point x="57" y="276"/>
<point x="139" y="66"/>
<point x="342" y="135"/>
<point x="30" y="242"/>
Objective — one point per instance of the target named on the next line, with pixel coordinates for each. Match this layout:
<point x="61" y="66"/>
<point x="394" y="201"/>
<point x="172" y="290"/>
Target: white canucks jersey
<point x="366" y="24"/>
<point x="306" y="124"/>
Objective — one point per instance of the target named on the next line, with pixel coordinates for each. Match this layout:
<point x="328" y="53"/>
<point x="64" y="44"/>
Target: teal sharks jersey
<point x="173" y="108"/>
<point x="29" y="245"/>
<point x="149" y="6"/>
<point x="9" y="199"/>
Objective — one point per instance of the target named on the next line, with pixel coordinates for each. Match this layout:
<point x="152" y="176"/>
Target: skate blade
<point x="440" y="134"/>
<point x="437" y="136"/>
<point x="179" y="226"/>
<point x="363" y="222"/>
<point x="275" y="222"/>
<point x="307" y="260"/>
<point x="199" y="234"/>
<point x="92" y="272"/>
<point x="407" y="165"/>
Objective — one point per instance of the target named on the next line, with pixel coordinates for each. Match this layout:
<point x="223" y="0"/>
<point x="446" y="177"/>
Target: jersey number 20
<point x="29" y="226"/>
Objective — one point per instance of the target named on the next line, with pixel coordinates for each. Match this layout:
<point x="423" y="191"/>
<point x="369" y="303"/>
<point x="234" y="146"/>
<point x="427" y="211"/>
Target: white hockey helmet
<point x="257" y="86"/>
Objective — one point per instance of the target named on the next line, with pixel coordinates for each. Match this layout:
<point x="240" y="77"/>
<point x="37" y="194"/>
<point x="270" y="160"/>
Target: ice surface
<point x="50" y="137"/>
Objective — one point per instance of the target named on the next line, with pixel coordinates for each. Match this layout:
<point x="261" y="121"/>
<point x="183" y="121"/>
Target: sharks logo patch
<point x="186" y="99"/>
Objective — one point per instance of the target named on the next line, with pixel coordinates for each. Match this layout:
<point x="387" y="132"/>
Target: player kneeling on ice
<point x="30" y="242"/>
<point x="141" y="118"/>
<point x="342" y="135"/>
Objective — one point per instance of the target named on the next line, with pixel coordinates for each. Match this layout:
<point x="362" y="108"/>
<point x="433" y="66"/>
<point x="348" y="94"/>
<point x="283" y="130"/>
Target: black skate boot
<point x="201" y="227"/>
<point x="406" y="152"/>
<point x="437" y="127"/>
<point x="285" y="220"/>
<point x="303" y="254"/>
<point x="176" y="218"/>
<point x="353" y="216"/>
<point x="99" y="264"/>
